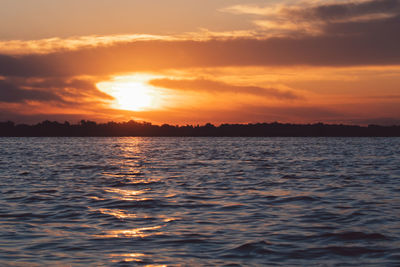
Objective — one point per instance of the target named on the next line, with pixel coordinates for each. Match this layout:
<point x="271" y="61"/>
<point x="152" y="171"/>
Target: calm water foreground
<point x="200" y="201"/>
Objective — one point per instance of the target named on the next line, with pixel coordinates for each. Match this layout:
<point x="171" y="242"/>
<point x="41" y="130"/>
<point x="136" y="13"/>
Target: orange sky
<point x="190" y="62"/>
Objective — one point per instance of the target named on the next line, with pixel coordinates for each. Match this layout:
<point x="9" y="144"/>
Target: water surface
<point x="200" y="201"/>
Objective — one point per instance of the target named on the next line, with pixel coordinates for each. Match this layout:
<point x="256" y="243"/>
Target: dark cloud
<point x="383" y="30"/>
<point x="13" y="94"/>
<point x="20" y="89"/>
<point x="215" y="87"/>
<point x="345" y="10"/>
<point x="74" y="88"/>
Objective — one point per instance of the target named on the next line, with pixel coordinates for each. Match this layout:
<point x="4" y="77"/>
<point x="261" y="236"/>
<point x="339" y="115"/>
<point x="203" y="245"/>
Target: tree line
<point x="134" y="128"/>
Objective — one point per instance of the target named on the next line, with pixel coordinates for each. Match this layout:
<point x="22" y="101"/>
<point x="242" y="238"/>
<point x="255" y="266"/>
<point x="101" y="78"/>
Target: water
<point x="200" y="201"/>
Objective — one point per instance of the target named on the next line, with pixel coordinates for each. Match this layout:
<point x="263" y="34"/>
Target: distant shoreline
<point x="144" y="129"/>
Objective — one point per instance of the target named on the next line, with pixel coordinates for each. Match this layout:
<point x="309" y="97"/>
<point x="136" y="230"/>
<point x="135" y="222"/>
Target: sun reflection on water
<point x="133" y="257"/>
<point x="124" y="194"/>
<point x="131" y="233"/>
<point x="128" y="257"/>
<point x="120" y="214"/>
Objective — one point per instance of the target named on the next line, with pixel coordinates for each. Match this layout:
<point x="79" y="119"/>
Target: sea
<point x="136" y="201"/>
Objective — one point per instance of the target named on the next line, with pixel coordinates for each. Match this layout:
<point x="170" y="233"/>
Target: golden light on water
<point x="120" y="214"/>
<point x="134" y="257"/>
<point x="133" y="92"/>
<point x="131" y="233"/>
<point x="123" y="194"/>
<point x="128" y="257"/>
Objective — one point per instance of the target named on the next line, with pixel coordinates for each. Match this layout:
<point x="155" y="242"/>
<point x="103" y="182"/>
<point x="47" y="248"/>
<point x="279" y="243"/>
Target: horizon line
<point x="84" y="121"/>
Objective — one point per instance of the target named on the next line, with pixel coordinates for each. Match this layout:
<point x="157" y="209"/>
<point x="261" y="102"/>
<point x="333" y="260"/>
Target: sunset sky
<point x="198" y="61"/>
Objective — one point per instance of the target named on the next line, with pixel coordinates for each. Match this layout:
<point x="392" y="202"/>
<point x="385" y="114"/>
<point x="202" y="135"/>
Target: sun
<point x="132" y="96"/>
<point x="132" y="92"/>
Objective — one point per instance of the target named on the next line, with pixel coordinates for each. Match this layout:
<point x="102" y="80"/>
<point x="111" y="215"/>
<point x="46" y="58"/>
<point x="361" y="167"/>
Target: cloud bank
<point x="349" y="34"/>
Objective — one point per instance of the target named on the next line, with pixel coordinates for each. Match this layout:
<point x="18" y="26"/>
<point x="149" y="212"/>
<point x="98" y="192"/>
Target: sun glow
<point x="132" y="92"/>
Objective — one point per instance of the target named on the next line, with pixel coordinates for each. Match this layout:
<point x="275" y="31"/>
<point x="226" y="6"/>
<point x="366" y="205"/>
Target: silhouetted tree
<point x="133" y="128"/>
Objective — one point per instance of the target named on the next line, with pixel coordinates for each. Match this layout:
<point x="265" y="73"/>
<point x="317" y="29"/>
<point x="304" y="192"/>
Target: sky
<point x="193" y="62"/>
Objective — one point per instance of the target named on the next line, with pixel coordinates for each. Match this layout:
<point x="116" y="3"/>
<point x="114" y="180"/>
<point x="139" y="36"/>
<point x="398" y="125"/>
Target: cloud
<point x="75" y="88"/>
<point x="11" y="93"/>
<point x="252" y="9"/>
<point x="51" y="45"/>
<point x="378" y="47"/>
<point x="314" y="17"/>
<point x="318" y="10"/>
<point x="61" y="92"/>
<point x="355" y="33"/>
<point x="220" y="87"/>
<point x="352" y="10"/>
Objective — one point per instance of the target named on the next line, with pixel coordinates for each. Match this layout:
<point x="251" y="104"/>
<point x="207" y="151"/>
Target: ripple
<point x="249" y="250"/>
<point x="199" y="202"/>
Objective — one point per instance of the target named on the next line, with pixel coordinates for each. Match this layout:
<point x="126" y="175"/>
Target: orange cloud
<point x="210" y="86"/>
<point x="51" y="45"/>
